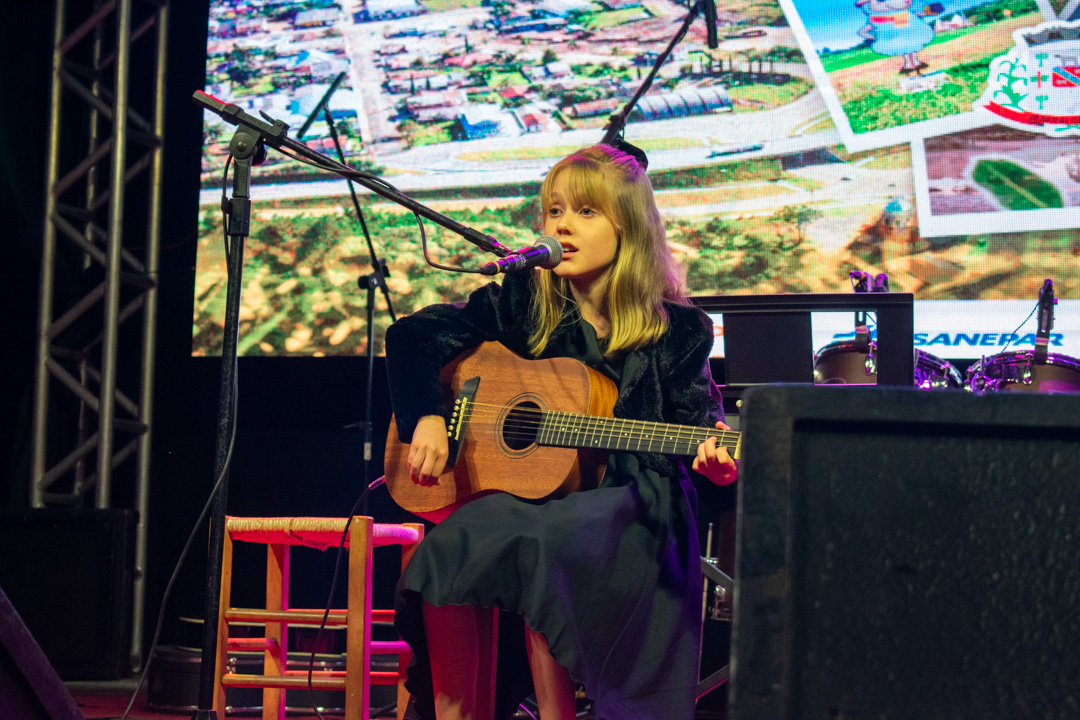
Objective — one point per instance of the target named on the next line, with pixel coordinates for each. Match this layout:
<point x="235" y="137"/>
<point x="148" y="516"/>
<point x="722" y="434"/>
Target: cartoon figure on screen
<point x="894" y="29"/>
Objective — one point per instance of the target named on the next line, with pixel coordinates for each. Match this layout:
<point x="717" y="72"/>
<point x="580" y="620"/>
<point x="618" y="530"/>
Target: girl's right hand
<point x="429" y="450"/>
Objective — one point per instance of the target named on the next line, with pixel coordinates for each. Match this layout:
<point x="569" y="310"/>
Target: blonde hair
<point x="644" y="273"/>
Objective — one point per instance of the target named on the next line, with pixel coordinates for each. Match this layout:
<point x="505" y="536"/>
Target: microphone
<point x="708" y="8"/>
<point x="545" y="253"/>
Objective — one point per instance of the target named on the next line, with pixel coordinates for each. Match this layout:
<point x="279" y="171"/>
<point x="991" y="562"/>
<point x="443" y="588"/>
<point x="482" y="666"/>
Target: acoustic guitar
<point x="532" y="428"/>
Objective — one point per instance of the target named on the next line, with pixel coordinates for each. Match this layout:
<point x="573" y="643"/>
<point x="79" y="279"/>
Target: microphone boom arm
<point x="614" y="129"/>
<point x="276" y="136"/>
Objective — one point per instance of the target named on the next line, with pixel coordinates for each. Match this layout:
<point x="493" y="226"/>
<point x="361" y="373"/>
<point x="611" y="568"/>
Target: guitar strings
<point x="519" y="426"/>
<point x="592" y="423"/>
<point x="529" y="433"/>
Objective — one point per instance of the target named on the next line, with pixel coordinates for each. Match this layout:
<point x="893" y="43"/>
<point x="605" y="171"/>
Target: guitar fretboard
<point x="561" y="429"/>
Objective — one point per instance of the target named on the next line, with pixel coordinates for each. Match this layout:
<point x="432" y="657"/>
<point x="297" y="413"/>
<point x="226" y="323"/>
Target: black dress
<point x="610" y="577"/>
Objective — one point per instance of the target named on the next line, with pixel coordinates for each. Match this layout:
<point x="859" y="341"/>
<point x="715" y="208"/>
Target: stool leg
<point x="407" y="552"/>
<point x="275" y="657"/>
<point x="358" y="629"/>
<point x="222" y="660"/>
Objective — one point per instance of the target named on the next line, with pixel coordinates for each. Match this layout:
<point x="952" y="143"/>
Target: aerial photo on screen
<point x="465" y="104"/>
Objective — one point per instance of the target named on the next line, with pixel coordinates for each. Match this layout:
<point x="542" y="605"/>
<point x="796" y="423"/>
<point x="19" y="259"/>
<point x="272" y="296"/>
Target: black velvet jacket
<point x="669" y="381"/>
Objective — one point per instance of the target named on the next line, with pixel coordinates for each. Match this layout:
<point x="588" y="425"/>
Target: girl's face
<point x="588" y="237"/>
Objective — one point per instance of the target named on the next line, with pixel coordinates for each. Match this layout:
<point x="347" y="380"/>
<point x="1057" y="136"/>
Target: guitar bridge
<point x="459" y="418"/>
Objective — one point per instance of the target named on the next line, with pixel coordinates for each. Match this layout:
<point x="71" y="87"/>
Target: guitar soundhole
<point x="520" y="426"/>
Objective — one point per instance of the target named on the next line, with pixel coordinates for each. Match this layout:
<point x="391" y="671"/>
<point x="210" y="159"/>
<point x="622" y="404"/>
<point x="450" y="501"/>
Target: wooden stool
<point x="278" y="534"/>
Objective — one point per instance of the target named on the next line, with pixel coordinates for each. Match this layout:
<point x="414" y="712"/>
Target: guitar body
<point x="491" y="456"/>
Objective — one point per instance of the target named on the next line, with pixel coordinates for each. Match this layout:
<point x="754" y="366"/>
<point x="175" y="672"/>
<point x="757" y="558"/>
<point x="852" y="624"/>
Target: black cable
<point x="427" y="257"/>
<point x="360" y="173"/>
<point x="183" y="555"/>
<point x="217" y="483"/>
<point x="1015" y="332"/>
<point x="226" y="214"/>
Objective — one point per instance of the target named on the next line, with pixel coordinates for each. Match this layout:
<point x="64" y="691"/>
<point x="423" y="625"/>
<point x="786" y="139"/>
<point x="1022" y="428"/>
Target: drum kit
<point x="1036" y="370"/>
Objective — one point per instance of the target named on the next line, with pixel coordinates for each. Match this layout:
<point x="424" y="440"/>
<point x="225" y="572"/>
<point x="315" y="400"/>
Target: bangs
<point x="584" y="183"/>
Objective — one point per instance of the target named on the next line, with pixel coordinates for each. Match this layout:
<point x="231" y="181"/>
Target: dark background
<point x="293" y="455"/>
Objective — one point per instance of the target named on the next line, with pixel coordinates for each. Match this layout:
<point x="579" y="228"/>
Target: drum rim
<point x="850" y="345"/>
<point x="841" y="346"/>
<point x="1004" y="358"/>
<point x="932" y="366"/>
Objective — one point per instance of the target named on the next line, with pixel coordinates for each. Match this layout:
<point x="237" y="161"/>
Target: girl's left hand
<point x="714" y="462"/>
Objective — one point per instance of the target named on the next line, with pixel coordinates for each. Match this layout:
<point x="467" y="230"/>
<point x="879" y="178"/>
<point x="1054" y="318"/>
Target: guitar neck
<point x="561" y="429"/>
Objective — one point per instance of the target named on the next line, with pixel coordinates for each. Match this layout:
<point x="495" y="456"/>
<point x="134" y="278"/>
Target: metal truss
<point x="91" y="432"/>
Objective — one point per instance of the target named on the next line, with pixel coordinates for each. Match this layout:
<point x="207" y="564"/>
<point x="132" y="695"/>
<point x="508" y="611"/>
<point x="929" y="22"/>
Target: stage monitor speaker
<point x="907" y="554"/>
<point x="69" y="574"/>
<point x="30" y="689"/>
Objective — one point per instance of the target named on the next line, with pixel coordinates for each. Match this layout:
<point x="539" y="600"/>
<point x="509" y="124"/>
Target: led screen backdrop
<point x="821" y="137"/>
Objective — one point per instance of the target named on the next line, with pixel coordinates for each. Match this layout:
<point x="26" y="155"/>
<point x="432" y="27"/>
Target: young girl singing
<point x="606" y="582"/>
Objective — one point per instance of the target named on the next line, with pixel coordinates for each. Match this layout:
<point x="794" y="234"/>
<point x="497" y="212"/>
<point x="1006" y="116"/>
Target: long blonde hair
<point x="644" y="273"/>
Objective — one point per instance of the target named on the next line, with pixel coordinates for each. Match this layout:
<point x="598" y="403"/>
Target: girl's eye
<point x="587" y="211"/>
<point x="554" y="212"/>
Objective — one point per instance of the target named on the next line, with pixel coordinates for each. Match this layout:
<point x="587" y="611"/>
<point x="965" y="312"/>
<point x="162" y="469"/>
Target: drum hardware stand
<point x="985" y="375"/>
<point x="721" y="605"/>
<point x="860" y="283"/>
<point x="1046" y="320"/>
<point x="247" y="148"/>
<point x="721" y="610"/>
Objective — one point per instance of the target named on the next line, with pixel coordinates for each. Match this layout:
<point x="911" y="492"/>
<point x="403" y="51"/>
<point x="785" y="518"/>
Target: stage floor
<point x="108" y="700"/>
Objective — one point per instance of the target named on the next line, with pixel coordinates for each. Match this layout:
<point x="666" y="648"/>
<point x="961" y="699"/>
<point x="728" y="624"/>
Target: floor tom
<point x="845" y="363"/>
<point x="1021" y="372"/>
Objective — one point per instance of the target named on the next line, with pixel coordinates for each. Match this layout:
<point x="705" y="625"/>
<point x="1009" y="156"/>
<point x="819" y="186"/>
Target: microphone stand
<point x="614" y="129"/>
<point x="247" y="148"/>
<point x="233" y="115"/>
<point x="376" y="279"/>
<point x="860" y="282"/>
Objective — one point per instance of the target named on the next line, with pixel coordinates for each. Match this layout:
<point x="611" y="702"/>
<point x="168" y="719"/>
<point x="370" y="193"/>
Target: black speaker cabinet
<point x="69" y="575"/>
<point x="907" y="554"/>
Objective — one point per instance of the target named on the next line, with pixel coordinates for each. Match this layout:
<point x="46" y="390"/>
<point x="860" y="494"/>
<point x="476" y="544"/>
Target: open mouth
<point x="568" y="251"/>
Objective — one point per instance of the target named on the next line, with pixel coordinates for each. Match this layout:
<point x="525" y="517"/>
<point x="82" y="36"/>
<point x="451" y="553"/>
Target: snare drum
<point x="844" y="363"/>
<point x="1019" y="372"/>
